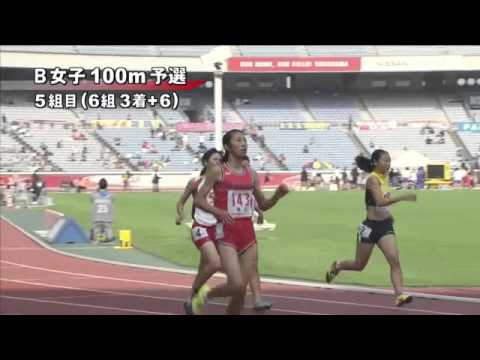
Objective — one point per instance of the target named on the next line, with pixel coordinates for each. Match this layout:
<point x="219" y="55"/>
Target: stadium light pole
<point x="218" y="101"/>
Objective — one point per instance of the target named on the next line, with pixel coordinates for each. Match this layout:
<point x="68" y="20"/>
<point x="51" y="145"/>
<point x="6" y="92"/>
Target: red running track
<point x="35" y="280"/>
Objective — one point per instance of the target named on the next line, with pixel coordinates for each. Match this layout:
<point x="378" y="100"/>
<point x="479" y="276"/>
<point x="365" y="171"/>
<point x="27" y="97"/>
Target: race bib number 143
<point x="240" y="203"/>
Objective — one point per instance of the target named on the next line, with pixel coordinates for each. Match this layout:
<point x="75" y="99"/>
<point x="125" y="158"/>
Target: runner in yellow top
<point x="378" y="227"/>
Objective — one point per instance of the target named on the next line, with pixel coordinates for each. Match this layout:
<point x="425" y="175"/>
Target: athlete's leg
<point x="363" y="253"/>
<point x="231" y="267"/>
<point x="248" y="263"/>
<point x="209" y="265"/>
<point x="255" y="288"/>
<point x="389" y="249"/>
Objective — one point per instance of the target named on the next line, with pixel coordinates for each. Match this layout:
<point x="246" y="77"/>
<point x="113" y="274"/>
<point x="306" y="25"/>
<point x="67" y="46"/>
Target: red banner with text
<point x="293" y="64"/>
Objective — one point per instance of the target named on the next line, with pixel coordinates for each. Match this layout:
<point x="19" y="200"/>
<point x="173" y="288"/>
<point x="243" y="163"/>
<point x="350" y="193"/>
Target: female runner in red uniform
<point x="235" y="188"/>
<point x="203" y="226"/>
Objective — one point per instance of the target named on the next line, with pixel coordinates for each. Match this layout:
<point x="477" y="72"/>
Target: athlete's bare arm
<point x="375" y="189"/>
<point x="183" y="199"/>
<point x="263" y="203"/>
<point x="212" y="176"/>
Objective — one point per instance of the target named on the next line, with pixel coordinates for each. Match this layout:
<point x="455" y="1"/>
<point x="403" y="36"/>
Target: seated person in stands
<point x="117" y="141"/>
<point x="202" y="148"/>
<point x="428" y="141"/>
<point x="305" y="149"/>
<point x="153" y="149"/>
<point x="145" y="146"/>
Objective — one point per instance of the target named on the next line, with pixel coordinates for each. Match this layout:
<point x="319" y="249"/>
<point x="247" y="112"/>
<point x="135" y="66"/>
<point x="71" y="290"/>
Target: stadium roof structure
<point x="248" y="50"/>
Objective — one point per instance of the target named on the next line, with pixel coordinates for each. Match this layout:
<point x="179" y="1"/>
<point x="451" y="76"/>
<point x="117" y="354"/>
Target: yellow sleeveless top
<point x="384" y="185"/>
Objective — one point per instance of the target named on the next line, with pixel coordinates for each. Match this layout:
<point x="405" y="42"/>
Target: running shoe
<point x="403" y="299"/>
<point x="263" y="305"/>
<point x="332" y="273"/>
<point x="199" y="300"/>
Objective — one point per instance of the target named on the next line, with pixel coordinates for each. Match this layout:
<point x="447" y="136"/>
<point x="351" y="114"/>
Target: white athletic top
<point x="201" y="216"/>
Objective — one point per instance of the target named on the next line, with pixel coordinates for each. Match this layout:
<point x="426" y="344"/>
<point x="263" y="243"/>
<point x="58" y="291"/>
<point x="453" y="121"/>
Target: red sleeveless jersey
<point x="234" y="193"/>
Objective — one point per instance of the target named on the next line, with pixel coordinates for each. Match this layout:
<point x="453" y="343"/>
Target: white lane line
<point x="16" y="298"/>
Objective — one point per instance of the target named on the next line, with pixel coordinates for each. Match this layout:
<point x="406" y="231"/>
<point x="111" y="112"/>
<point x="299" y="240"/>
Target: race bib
<point x="198" y="233"/>
<point x="102" y="209"/>
<point x="363" y="232"/>
<point x="240" y="203"/>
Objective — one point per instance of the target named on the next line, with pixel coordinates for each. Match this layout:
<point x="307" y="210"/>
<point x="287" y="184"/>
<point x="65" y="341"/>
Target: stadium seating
<point x="272" y="109"/>
<point x="131" y="144"/>
<point x="453" y="106"/>
<point x="116" y="114"/>
<point x="332" y="145"/>
<point x="12" y="160"/>
<point x="30" y="113"/>
<point x="242" y="50"/>
<point x="254" y="151"/>
<point x="334" y="109"/>
<point x="61" y="157"/>
<point x="399" y="139"/>
<point x="404" y="107"/>
<point x="472" y="142"/>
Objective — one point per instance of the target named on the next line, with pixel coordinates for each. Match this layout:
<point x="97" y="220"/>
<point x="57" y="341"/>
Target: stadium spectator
<point x="467" y="180"/>
<point x="420" y="178"/>
<point x="371" y="145"/>
<point x="304" y="178"/>
<point x="126" y="179"/>
<point x="81" y="184"/>
<point x="155" y="181"/>
<point x="117" y="141"/>
<point x="267" y="178"/>
<point x="305" y="149"/>
<point x="318" y="181"/>
<point x="145" y="146"/>
<point x="354" y="175"/>
<point x="261" y="139"/>
<point x="458" y="175"/>
<point x="152" y="133"/>
<point x="345" y="179"/>
<point x="153" y="149"/>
